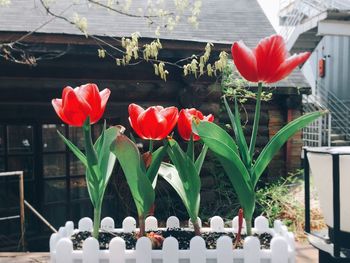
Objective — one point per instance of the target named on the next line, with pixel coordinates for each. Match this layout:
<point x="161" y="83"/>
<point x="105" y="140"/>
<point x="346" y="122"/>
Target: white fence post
<point x="129" y="224"/>
<point x="197" y="250"/>
<point x="69" y="227"/>
<point x="117" y="250"/>
<point x="170" y="250"/>
<point x="251" y="250"/>
<point x="85" y="224"/>
<point x="261" y="224"/>
<point x="217" y="224"/>
<point x="235" y="225"/>
<point x="173" y="222"/>
<point x="143" y="250"/>
<point x="64" y="251"/>
<point x="151" y="224"/>
<point x="279" y="250"/>
<point x="107" y="224"/>
<point x="91" y="250"/>
<point x="224" y="250"/>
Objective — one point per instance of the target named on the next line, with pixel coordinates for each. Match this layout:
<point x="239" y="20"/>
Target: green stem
<point x="150" y="149"/>
<point x="91" y="155"/>
<point x="256" y="121"/>
<point x="97" y="219"/>
<point x="248" y="222"/>
<point x="197" y="229"/>
<point x="142" y="226"/>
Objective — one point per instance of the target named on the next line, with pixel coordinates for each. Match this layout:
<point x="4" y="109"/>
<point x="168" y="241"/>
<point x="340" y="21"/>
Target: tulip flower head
<point x="154" y="123"/>
<point x="82" y="102"/>
<point x="268" y="62"/>
<point x="184" y="124"/>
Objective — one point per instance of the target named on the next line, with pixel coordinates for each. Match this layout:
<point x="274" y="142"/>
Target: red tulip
<point x="79" y="103"/>
<point x="154" y="123"/>
<point x="268" y="62"/>
<point x="184" y="124"/>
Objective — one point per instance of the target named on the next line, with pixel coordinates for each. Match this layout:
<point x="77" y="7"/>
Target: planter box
<point x="282" y="245"/>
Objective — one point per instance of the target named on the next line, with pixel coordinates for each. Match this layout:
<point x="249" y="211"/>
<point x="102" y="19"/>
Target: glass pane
<point x="2" y="140"/>
<point x="76" y="167"/>
<point x="51" y="140"/>
<point x="79" y="188"/>
<point x="55" y="214"/>
<point x="20" y="138"/>
<point x="54" y="165"/>
<point x="2" y="165"/>
<point x="76" y="136"/>
<point x="21" y="163"/>
<point x="97" y="129"/>
<point x="81" y="209"/>
<point x="55" y="191"/>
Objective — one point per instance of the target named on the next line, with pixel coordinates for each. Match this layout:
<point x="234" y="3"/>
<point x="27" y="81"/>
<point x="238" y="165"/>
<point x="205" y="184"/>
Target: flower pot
<point x="281" y="247"/>
<point x="321" y="167"/>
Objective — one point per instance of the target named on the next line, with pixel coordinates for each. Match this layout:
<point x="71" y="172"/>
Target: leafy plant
<point x="140" y="172"/>
<point x="267" y="63"/>
<point x="183" y="176"/>
<point x="81" y="107"/>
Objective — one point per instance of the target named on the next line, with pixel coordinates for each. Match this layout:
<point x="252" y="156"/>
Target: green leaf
<point x="106" y="160"/>
<point x="90" y="152"/>
<point x="200" y="160"/>
<point x="190" y="148"/>
<point x="189" y="177"/>
<point x="74" y="149"/>
<point x="130" y="160"/>
<point x="237" y="128"/>
<point x="230" y="160"/>
<point x="279" y="139"/>
<point x="170" y="174"/>
<point x="215" y="134"/>
<point x="157" y="157"/>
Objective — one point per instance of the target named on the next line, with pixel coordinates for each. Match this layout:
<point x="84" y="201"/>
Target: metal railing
<point x="296" y="11"/>
<point x="22" y="204"/>
<point x="339" y="110"/>
<point x="337" y="122"/>
<point x="317" y="133"/>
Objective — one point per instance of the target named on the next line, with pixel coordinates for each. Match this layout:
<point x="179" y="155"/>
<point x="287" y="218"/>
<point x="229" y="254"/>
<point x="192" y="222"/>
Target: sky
<point x="270" y="8"/>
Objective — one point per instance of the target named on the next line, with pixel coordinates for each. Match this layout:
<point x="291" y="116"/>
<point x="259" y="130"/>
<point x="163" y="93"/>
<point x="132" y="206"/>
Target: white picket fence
<point x="282" y="244"/>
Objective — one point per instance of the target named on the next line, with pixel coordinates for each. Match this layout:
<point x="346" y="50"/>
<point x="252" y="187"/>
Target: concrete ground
<point x="305" y="254"/>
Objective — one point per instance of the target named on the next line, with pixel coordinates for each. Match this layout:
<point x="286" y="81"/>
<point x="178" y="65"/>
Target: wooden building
<point x="54" y="179"/>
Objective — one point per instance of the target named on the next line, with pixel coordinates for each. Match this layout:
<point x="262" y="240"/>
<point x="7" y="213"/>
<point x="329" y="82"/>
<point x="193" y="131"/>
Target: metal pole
<point x="336" y="205"/>
<point x="40" y="217"/>
<point x="307" y="192"/>
<point x="21" y="207"/>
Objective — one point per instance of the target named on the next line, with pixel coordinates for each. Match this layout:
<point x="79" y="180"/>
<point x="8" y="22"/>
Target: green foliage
<point x="275" y="201"/>
<point x="234" y="86"/>
<point x="99" y="163"/>
<point x="183" y="176"/>
<point x="134" y="169"/>
<point x="237" y="160"/>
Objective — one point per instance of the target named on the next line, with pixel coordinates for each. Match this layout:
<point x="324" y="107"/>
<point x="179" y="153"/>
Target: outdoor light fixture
<point x="330" y="168"/>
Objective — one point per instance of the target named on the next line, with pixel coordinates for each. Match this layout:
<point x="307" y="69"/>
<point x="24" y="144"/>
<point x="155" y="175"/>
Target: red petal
<point x="288" y="66"/>
<point x="245" y="61"/>
<point x="57" y="105"/>
<point x="89" y="94"/>
<point x="184" y="125"/>
<point x="104" y="95"/>
<point x="270" y="53"/>
<point x="134" y="112"/>
<point x="171" y="115"/>
<point x="152" y="124"/>
<point x="209" y="118"/>
<point x="73" y="109"/>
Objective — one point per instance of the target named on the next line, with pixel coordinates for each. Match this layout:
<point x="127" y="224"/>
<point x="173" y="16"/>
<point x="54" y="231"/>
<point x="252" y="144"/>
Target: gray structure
<point x="323" y="28"/>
